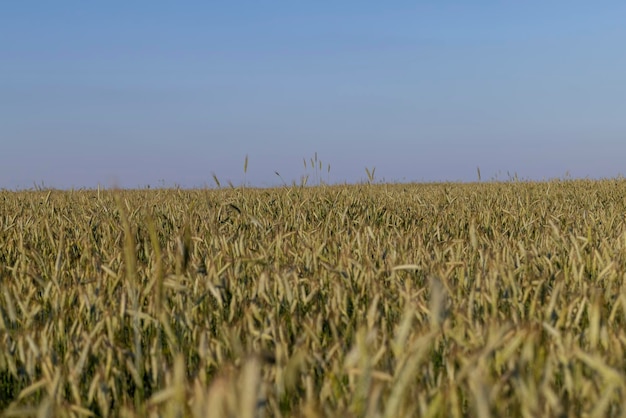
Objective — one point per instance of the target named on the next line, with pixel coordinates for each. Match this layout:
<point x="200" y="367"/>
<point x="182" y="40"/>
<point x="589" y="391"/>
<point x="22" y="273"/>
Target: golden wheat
<point x="367" y="300"/>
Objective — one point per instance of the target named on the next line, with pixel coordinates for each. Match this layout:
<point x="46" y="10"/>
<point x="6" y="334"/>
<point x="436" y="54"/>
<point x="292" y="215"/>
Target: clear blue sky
<point x="140" y="93"/>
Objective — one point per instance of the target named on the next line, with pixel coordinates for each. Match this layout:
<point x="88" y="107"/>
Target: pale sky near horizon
<point x="166" y="93"/>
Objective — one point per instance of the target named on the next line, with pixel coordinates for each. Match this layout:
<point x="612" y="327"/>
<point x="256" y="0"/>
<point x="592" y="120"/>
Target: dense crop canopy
<point x="494" y="299"/>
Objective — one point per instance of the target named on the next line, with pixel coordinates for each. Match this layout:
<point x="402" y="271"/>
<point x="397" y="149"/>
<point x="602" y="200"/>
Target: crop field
<point x="388" y="300"/>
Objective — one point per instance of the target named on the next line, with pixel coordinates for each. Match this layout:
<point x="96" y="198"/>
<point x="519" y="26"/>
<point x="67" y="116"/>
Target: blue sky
<point x="166" y="93"/>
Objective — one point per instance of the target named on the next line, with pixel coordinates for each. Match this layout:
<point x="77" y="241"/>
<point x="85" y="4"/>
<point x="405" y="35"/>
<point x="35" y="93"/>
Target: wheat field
<point x="387" y="300"/>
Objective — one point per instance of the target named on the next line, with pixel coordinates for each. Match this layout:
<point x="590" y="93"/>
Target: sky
<point x="162" y="94"/>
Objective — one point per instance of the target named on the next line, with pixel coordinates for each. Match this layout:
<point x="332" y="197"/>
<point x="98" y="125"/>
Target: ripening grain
<point x="447" y="300"/>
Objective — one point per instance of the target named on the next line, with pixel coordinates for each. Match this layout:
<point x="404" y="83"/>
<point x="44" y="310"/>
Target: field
<point x="440" y="300"/>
